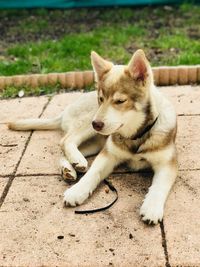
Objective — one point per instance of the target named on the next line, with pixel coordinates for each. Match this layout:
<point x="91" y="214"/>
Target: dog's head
<point x="123" y="94"/>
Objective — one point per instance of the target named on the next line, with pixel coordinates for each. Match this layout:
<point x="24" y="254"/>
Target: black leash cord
<point x="112" y="188"/>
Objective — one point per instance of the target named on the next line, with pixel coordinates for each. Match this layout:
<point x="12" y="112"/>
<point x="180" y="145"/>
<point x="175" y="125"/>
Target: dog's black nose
<point x="98" y="125"/>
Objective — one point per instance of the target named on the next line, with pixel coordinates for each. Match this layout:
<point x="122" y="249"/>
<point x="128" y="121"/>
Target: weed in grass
<point x="12" y="91"/>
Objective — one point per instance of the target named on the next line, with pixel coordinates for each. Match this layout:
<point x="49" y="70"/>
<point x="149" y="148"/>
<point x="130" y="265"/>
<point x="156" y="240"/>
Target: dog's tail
<point x="36" y="124"/>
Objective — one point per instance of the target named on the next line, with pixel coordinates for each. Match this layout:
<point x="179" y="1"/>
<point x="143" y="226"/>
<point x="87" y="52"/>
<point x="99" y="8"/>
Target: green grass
<point x="71" y="52"/>
<point x="169" y="36"/>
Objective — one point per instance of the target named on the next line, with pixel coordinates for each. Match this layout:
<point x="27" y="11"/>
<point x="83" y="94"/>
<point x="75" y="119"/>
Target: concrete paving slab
<point x="21" y="108"/>
<point x="188" y="142"/>
<point x="59" y="102"/>
<point x="182" y="221"/>
<point x="38" y="231"/>
<point x="12" y="143"/>
<point x="186" y="99"/>
<point x="44" y="152"/>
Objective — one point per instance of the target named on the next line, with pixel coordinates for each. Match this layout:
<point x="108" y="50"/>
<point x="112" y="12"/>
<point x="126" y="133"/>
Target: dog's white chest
<point x="135" y="161"/>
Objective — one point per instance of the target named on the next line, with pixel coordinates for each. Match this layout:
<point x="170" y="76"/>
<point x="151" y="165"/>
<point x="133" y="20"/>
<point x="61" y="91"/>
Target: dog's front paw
<point x="76" y="195"/>
<point x="68" y="175"/>
<point x="151" y="210"/>
<point x="80" y="165"/>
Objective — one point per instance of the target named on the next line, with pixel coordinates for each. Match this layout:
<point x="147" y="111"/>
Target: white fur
<point x="100" y="169"/>
<point x="164" y="175"/>
<point x="81" y="140"/>
<point x="152" y="208"/>
<point x="114" y="74"/>
<point x="125" y="123"/>
<point x="36" y="124"/>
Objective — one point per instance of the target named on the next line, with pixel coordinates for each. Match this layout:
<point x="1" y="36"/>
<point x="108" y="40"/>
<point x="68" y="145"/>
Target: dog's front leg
<point x="152" y="208"/>
<point x="102" y="166"/>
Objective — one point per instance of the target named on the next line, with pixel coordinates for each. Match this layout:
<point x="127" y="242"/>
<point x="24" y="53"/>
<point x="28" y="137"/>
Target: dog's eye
<point x="118" y="102"/>
<point x="101" y="99"/>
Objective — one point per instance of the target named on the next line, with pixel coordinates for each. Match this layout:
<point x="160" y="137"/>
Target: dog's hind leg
<point x="92" y="146"/>
<point x="70" y="144"/>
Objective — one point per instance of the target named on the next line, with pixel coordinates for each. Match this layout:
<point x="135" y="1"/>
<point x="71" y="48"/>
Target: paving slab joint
<point x="188" y="115"/>
<point x="164" y="244"/>
<point x="13" y="175"/>
<point x="37" y="174"/>
<point x="6" y="189"/>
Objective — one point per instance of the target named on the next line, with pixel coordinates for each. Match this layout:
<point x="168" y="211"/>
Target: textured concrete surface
<point x="32" y="218"/>
<point x="188" y="142"/>
<point x="12" y="143"/>
<point x="182" y="220"/>
<point x="97" y="240"/>
<point x="186" y="99"/>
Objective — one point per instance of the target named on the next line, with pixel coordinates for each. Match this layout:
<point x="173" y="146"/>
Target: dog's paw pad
<point x="79" y="168"/>
<point x="68" y="175"/>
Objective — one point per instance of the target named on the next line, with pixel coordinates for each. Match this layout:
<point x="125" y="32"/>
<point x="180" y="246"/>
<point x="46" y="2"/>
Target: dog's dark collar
<point x="144" y="131"/>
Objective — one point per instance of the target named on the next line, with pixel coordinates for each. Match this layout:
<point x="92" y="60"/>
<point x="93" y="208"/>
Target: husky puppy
<point x="127" y="120"/>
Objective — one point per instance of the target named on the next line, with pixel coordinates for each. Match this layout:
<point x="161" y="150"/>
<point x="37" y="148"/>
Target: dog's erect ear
<point x="100" y="65"/>
<point x="138" y="66"/>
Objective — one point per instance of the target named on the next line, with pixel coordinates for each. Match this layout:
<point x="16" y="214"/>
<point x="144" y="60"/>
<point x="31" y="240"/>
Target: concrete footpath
<point x="35" y="229"/>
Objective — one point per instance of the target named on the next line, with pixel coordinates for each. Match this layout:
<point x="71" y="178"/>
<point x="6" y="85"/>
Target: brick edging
<point x="180" y="75"/>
